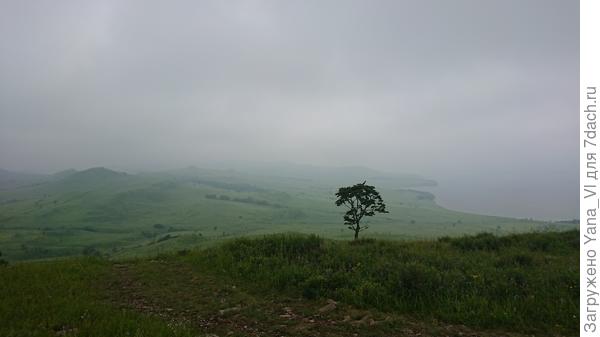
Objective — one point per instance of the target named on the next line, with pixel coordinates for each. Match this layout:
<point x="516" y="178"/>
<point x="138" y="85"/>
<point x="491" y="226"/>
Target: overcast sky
<point x="479" y="95"/>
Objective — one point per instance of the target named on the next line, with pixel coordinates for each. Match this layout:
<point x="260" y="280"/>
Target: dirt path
<point x="179" y="294"/>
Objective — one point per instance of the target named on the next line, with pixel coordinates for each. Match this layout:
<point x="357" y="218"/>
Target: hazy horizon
<point x="479" y="96"/>
<point x="450" y="195"/>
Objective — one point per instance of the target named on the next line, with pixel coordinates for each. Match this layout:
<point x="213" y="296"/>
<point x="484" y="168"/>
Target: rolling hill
<point x="101" y="211"/>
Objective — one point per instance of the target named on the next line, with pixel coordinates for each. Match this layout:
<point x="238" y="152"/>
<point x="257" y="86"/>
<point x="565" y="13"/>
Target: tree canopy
<point x="362" y="200"/>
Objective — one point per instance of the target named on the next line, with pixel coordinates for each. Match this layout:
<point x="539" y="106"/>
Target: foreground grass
<point x="525" y="282"/>
<point x="61" y="298"/>
<point x="283" y="285"/>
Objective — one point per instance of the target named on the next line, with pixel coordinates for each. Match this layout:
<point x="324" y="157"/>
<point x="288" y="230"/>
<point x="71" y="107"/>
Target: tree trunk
<point x="356" y="230"/>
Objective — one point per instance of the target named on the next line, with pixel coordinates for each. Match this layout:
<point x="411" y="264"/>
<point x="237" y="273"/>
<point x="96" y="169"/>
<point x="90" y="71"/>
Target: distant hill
<point x="64" y="174"/>
<point x="93" y="174"/>
<point x="10" y="179"/>
<point x="122" y="214"/>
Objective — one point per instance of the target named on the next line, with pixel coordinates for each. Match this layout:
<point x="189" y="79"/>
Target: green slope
<point x="284" y="285"/>
<point x="107" y="212"/>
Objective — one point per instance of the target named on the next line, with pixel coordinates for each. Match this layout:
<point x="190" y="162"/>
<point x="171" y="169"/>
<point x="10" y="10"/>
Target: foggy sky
<point x="479" y="95"/>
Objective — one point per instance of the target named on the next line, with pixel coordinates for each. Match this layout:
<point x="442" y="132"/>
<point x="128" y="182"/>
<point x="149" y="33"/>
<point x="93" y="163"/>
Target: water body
<point x="533" y="198"/>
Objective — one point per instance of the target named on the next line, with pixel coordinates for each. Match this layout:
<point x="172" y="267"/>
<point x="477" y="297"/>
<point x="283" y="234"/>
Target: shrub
<point x="314" y="287"/>
<point x="483" y="241"/>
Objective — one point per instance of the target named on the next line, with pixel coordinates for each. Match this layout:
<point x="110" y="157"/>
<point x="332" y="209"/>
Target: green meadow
<point x="104" y="212"/>
<point x="303" y="285"/>
<point x="213" y="252"/>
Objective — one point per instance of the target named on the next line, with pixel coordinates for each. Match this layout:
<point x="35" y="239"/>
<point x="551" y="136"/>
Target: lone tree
<point x="361" y="200"/>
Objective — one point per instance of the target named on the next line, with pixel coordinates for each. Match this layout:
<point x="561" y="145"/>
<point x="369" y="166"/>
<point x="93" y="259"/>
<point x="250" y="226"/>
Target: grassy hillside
<point x="297" y="285"/>
<point x="99" y="211"/>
